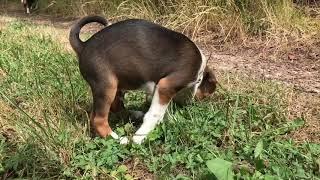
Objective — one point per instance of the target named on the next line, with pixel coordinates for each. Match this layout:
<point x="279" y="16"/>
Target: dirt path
<point x="299" y="68"/>
<point x="302" y="73"/>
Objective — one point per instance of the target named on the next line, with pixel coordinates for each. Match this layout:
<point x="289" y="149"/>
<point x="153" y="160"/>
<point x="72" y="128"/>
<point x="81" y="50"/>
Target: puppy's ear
<point x="211" y="75"/>
<point x="208" y="84"/>
<point x="209" y="81"/>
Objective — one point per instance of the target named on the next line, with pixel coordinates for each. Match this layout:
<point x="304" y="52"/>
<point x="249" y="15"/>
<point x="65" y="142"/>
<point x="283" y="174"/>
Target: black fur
<point x="135" y="50"/>
<point x="28" y="4"/>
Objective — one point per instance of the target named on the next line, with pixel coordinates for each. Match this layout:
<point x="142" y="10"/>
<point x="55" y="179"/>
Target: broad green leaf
<point x="222" y="169"/>
<point x="259" y="148"/>
<point x="259" y="164"/>
<point x="270" y="177"/>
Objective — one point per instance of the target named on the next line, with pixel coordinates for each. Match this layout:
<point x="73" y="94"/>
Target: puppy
<point x="27" y="4"/>
<point x="134" y="54"/>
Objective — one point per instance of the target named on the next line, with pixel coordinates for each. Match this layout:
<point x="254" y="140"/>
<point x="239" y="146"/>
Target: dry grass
<point x="278" y="26"/>
<point x="307" y="106"/>
<point x="277" y="20"/>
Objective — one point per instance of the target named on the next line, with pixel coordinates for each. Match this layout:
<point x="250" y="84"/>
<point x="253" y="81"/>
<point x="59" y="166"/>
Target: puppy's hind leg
<point x="118" y="102"/>
<point x="103" y="96"/>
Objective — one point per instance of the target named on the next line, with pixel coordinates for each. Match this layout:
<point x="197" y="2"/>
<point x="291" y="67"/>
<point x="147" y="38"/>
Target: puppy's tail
<point x="74" y="38"/>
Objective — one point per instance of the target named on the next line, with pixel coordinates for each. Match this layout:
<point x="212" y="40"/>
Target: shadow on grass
<point x="28" y="160"/>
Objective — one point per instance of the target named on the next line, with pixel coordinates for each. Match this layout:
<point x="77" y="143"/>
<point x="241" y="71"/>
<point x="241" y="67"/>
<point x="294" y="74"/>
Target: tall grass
<point x="44" y="125"/>
<point x="230" y="19"/>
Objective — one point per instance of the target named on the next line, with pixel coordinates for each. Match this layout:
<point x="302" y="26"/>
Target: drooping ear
<point x="208" y="84"/>
<point x="211" y="75"/>
<point x="209" y="80"/>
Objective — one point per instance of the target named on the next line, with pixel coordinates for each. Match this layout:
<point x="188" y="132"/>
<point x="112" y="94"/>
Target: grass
<point x="240" y="132"/>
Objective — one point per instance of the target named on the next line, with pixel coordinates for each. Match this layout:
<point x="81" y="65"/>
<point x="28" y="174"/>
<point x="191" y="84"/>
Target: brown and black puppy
<point x="27" y="4"/>
<point x="134" y="54"/>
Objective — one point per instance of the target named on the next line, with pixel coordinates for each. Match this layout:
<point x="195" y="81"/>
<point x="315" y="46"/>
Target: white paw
<point x="138" y="139"/>
<point x="114" y="135"/>
<point x="124" y="140"/>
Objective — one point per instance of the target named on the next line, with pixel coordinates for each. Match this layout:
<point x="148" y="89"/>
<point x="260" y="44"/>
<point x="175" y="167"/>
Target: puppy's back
<point x="141" y="46"/>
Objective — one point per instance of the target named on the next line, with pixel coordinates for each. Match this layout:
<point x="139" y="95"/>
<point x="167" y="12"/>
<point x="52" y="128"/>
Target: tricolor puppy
<point x="134" y="54"/>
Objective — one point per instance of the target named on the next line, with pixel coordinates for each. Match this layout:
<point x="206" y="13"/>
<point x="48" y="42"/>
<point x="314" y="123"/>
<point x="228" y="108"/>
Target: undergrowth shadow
<point x="28" y="159"/>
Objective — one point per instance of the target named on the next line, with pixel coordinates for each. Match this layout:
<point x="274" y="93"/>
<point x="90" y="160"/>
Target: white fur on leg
<point x="153" y="117"/>
<point x="114" y="135"/>
<point x="124" y="140"/>
<point x="28" y="10"/>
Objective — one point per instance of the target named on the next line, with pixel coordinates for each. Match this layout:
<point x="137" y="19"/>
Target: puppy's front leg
<point x="151" y="118"/>
<point x="163" y="93"/>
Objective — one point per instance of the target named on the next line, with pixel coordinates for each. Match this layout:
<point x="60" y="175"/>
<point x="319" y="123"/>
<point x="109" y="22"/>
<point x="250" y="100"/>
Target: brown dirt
<point x="138" y="170"/>
<point x="298" y="68"/>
